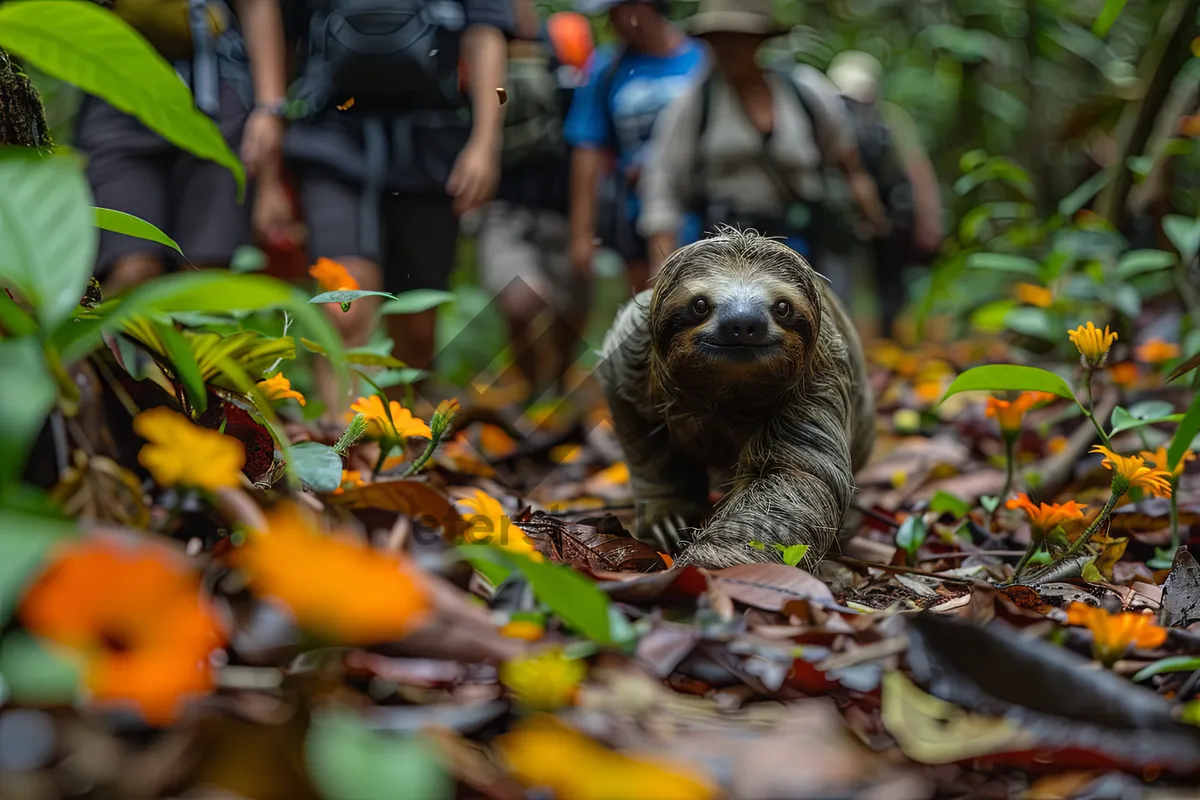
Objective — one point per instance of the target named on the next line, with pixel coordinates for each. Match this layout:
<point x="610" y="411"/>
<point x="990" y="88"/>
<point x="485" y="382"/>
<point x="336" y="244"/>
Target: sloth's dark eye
<point x="783" y="309"/>
<point x="700" y="307"/>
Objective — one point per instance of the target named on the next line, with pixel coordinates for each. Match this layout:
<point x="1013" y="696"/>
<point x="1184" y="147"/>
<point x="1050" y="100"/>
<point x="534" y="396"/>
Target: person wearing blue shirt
<point x="610" y="122"/>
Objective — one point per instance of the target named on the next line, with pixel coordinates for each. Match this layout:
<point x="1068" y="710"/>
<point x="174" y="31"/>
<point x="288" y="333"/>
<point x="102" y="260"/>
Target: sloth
<point x="739" y="366"/>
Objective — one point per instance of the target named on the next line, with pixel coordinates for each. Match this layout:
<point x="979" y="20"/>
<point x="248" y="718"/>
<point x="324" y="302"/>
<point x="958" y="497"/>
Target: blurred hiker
<point x="890" y="148"/>
<point x="611" y="120"/>
<point x="748" y="147"/>
<point x="398" y="135"/>
<point x="523" y="240"/>
<point x="234" y="65"/>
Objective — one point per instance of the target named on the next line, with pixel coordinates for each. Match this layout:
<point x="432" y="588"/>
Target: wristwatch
<point x="277" y="109"/>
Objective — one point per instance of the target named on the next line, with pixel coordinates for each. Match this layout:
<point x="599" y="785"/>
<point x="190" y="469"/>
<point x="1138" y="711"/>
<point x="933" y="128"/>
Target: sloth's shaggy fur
<point x="788" y="424"/>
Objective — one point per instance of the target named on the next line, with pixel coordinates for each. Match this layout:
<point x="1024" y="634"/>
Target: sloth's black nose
<point x="742" y="326"/>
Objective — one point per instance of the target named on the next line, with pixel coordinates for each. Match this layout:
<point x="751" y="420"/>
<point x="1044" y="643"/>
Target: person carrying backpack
<point x="748" y="147"/>
<point x="397" y="134"/>
<point x="611" y="119"/>
<point x="234" y="65"/>
<point x="523" y="239"/>
<point x="891" y="151"/>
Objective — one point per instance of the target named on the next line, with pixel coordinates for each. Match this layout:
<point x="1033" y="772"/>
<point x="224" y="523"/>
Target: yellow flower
<point x="277" y="387"/>
<point x="543" y="681"/>
<point x="1158" y="459"/>
<point x="1046" y="517"/>
<point x="543" y="752"/>
<point x="1114" y="634"/>
<point x="522" y="629"/>
<point x="1156" y="351"/>
<point x="332" y="276"/>
<point x="488" y="524"/>
<point x="1092" y="343"/>
<point x="180" y="452"/>
<point x="389" y="423"/>
<point x="1130" y="471"/>
<point x="350" y="479"/>
<point x="1034" y="295"/>
<point x="336" y="586"/>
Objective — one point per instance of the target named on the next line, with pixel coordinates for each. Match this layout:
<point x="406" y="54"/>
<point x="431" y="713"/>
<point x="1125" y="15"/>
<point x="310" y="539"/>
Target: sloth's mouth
<point x="740" y="352"/>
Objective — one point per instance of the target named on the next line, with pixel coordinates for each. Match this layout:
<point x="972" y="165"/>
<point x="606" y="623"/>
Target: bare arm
<point x="863" y="190"/>
<point x="262" y="24"/>
<point x="666" y="177"/>
<point x="587" y="164"/>
<point x="484" y="50"/>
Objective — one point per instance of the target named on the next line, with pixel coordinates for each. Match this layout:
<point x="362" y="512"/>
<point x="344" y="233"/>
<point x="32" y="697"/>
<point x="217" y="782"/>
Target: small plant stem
<point x="383" y="454"/>
<point x="421" y="460"/>
<point x="1035" y="544"/>
<point x="1010" y="447"/>
<point x="1174" y="520"/>
<point x="1078" y="544"/>
<point x="1087" y="409"/>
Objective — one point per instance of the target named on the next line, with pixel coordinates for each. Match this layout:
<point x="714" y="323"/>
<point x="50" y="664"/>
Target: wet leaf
<point x="414" y="498"/>
<point x="1181" y="591"/>
<point x="770" y="586"/>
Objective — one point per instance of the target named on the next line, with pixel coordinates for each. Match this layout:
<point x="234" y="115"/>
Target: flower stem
<point x="1035" y="544"/>
<point x="1010" y="446"/>
<point x="1096" y="523"/>
<point x="383" y="454"/>
<point x="1174" y="520"/>
<point x="1087" y="409"/>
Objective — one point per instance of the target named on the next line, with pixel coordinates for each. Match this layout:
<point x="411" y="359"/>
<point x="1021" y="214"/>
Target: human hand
<point x="273" y="216"/>
<point x="262" y="140"/>
<point x="582" y="249"/>
<point x="474" y="177"/>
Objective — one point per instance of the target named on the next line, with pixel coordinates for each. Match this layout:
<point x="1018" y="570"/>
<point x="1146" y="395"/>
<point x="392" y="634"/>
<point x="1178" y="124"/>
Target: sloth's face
<point x="751" y="319"/>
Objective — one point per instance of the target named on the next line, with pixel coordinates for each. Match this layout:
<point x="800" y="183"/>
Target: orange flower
<point x="545" y="753"/>
<point x="134" y="615"/>
<point x="522" y="629"/>
<point x="350" y="479"/>
<point x="1130" y="471"/>
<point x="1190" y="126"/>
<point x="1056" y="445"/>
<point x="1156" y="351"/>
<point x="1092" y="343"/>
<point x="1034" y="295"/>
<point x="1010" y="414"/>
<point x="929" y="392"/>
<point x="277" y="387"/>
<point x="1046" y="517"/>
<point x="391" y="422"/>
<point x="332" y="276"/>
<point x="487" y="523"/>
<point x="1114" y="634"/>
<point x="1124" y="374"/>
<point x="335" y="586"/>
<point x="180" y="452"/>
<point x="1158" y="459"/>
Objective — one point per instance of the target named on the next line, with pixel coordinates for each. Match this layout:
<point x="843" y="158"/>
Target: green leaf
<point x="1091" y="573"/>
<point x="179" y="352"/>
<point x="316" y="464"/>
<point x="946" y="503"/>
<point x="1083" y="193"/>
<point x="346" y="296"/>
<point x="348" y="761"/>
<point x="28" y="395"/>
<point x="47" y="240"/>
<point x="248" y="258"/>
<point x="1123" y="420"/>
<point x="120" y="222"/>
<point x="399" y="377"/>
<point x="416" y="301"/>
<point x="1189" y="426"/>
<point x="24" y="541"/>
<point x="1003" y="262"/>
<point x="1108" y="15"/>
<point x="756" y="544"/>
<point x="794" y="554"/>
<point x="1012" y="377"/>
<point x="1184" y="233"/>
<point x="568" y="594"/>
<point x="36" y="674"/>
<point x="1137" y="262"/>
<point x="95" y="50"/>
<point x="1166" y="665"/>
<point x="911" y="535"/>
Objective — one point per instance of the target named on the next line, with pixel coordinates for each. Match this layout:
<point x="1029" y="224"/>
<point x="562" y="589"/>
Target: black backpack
<point x="382" y="54"/>
<point x="877" y="149"/>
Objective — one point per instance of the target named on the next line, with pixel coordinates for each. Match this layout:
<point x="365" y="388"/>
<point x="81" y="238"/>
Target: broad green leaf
<point x="348" y="761"/>
<point x="568" y="594"/>
<point x="416" y="301"/>
<point x="128" y="224"/>
<point x="1083" y="193"/>
<point x="362" y="356"/>
<point x="1009" y="377"/>
<point x="794" y="554"/>
<point x="1108" y="15"/>
<point x="1125" y="298"/>
<point x="1189" y="426"/>
<point x="1137" y="262"/>
<point x="1004" y="262"/>
<point x="346" y="296"/>
<point x="911" y="535"/>
<point x="35" y="673"/>
<point x="1148" y="413"/>
<point x="47" y="239"/>
<point x="1168" y="664"/>
<point x="399" y="377"/>
<point x="24" y="542"/>
<point x="28" y="395"/>
<point x="992" y="317"/>
<point x="95" y="50"/>
<point x="177" y="351"/>
<point x="946" y="503"/>
<point x="1031" y="321"/>
<point x="1184" y="233"/>
<point x="316" y="464"/>
<point x="248" y="258"/>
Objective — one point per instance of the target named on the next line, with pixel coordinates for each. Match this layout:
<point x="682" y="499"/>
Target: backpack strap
<point x="206" y="80"/>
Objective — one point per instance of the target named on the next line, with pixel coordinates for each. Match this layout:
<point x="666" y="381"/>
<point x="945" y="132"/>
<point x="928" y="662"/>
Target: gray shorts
<point x="192" y="200"/>
<point x="532" y="245"/>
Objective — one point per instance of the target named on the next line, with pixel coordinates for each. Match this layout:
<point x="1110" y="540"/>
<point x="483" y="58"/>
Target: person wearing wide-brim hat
<point x="748" y="146"/>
